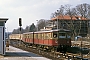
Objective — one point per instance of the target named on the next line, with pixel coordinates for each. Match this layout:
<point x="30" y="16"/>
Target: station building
<point x="2" y="35"/>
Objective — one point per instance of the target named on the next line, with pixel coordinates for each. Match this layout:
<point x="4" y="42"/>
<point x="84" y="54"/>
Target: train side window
<point x="42" y="36"/>
<point x="49" y="35"/>
<point x="39" y="36"/>
<point x="31" y="36"/>
<point x="45" y="35"/>
<point x="28" y="35"/>
<point x="36" y="36"/>
<point x="23" y="35"/>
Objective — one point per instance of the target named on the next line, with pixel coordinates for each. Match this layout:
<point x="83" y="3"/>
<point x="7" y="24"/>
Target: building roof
<point x="67" y="17"/>
<point x="3" y="19"/>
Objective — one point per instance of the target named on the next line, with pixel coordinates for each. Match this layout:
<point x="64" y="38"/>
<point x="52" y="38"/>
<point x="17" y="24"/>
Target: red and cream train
<point x="51" y="39"/>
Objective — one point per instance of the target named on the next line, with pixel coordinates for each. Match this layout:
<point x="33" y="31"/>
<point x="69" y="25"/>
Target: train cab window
<point x="55" y="35"/>
<point x="62" y="35"/>
<point x="68" y="36"/>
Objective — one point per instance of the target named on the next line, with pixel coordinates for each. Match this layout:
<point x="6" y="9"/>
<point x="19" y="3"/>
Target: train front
<point x="64" y="40"/>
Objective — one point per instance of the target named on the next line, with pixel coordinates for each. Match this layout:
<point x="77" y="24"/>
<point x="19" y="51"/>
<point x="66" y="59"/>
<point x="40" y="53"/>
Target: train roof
<point x="47" y="31"/>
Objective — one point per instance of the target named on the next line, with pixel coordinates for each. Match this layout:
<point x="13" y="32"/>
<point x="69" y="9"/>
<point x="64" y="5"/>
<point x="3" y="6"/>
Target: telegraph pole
<point x="37" y="25"/>
<point x="81" y="39"/>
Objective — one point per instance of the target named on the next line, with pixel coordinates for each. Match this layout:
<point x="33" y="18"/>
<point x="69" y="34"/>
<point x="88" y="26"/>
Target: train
<point x="58" y="39"/>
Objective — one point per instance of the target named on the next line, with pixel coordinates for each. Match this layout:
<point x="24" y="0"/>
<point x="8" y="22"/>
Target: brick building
<point x="78" y="25"/>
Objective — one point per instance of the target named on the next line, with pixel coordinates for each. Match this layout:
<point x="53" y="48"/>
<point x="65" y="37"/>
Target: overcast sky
<point x="31" y="10"/>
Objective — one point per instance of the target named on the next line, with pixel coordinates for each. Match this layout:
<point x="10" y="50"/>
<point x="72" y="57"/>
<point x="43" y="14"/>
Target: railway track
<point x="51" y="55"/>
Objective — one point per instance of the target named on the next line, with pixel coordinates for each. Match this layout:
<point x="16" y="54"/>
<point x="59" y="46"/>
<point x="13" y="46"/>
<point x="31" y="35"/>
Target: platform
<point x="18" y="54"/>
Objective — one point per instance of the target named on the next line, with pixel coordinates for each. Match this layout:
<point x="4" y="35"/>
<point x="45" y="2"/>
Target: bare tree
<point x="14" y="31"/>
<point x="17" y="31"/>
<point x="70" y="13"/>
<point x="41" y="24"/>
<point x="26" y="29"/>
<point x="83" y="10"/>
<point x="52" y="15"/>
<point x="59" y="12"/>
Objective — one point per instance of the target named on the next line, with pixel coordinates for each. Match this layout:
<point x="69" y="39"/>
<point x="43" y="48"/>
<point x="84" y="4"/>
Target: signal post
<point x="20" y="24"/>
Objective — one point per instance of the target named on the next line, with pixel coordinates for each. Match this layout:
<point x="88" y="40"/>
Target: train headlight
<point x="67" y="41"/>
<point x="56" y="41"/>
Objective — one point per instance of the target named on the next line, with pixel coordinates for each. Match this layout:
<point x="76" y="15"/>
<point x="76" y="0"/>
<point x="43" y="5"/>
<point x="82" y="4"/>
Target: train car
<point x="16" y="36"/>
<point x="57" y="40"/>
<point x="16" y="39"/>
<point x="28" y="38"/>
<point x="49" y="39"/>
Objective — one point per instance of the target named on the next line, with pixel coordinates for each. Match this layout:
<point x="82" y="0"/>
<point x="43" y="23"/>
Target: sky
<point x="31" y="10"/>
